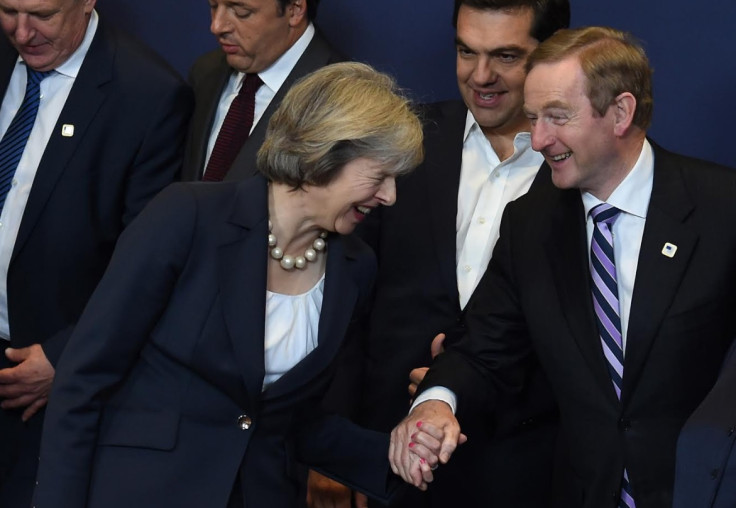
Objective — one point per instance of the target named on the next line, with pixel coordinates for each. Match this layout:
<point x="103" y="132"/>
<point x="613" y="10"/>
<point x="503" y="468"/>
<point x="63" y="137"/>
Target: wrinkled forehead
<point x="551" y="86"/>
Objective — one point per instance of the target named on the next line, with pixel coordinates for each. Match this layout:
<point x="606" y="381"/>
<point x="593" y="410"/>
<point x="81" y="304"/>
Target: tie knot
<point x="605" y="213"/>
<point x="35" y="77"/>
<point x="251" y="84"/>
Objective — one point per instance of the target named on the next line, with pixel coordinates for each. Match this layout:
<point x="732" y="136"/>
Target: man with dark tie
<point x="616" y="273"/>
<point x="91" y="124"/>
<point x="266" y="45"/>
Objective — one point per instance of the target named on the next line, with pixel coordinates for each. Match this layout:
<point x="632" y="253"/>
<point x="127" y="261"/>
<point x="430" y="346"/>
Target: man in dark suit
<point x="273" y="41"/>
<point x="706" y="462"/>
<point x="618" y="277"/>
<point x="434" y="245"/>
<point x="105" y="139"/>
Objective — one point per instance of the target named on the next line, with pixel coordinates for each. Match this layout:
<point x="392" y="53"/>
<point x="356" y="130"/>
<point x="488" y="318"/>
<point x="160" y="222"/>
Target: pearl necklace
<point x="288" y="262"/>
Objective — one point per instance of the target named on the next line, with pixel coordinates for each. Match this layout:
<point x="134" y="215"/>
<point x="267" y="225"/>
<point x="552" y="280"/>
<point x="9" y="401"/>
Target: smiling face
<point x="577" y="142"/>
<point x="362" y="185"/>
<point x="255" y="33"/>
<point x="492" y="47"/>
<point x="45" y="32"/>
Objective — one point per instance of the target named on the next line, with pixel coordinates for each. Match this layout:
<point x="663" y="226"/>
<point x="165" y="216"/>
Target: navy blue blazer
<point x="535" y="297"/>
<point x="129" y="110"/>
<point x="161" y="383"/>
<point x="705" y="473"/>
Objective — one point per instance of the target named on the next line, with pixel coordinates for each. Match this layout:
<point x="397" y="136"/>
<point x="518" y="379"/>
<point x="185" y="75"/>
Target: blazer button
<point x="624" y="424"/>
<point x="244" y="422"/>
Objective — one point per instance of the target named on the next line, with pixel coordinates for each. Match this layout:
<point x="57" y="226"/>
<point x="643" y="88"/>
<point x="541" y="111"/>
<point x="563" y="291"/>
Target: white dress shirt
<point x="55" y="89"/>
<point x="487" y="184"/>
<point x="632" y="197"/>
<point x="273" y="78"/>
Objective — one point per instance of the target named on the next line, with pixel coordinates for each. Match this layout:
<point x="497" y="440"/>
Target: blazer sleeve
<point x="112" y="330"/>
<point x="492" y="357"/>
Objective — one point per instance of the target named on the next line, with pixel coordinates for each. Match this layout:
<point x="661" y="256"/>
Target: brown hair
<point x="613" y="62"/>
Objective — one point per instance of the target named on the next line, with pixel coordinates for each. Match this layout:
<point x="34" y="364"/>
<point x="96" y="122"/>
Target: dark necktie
<point x="14" y="141"/>
<point x="234" y="131"/>
<point x="607" y="310"/>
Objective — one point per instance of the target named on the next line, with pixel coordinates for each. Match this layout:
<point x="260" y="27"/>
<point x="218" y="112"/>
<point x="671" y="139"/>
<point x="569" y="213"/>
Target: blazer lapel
<point x="567" y="252"/>
<point x="442" y="181"/>
<point x="242" y="280"/>
<point x="208" y="93"/>
<point x="658" y="276"/>
<point x="84" y="101"/>
<point x="338" y="302"/>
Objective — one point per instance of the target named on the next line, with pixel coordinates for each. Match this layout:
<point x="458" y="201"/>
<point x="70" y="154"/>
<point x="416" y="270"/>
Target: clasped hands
<point x="427" y="437"/>
<point x="423" y="440"/>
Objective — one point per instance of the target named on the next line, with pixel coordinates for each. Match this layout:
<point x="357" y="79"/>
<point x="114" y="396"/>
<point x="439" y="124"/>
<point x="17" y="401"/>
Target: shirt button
<point x="482" y="220"/>
<point x="467" y="268"/>
<point x="15" y="182"/>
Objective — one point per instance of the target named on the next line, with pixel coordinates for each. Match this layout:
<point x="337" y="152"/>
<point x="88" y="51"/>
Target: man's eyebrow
<point x="513" y="48"/>
<point x="555" y="104"/>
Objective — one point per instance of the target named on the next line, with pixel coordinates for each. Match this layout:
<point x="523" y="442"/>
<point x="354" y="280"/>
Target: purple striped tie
<point x="606" y="305"/>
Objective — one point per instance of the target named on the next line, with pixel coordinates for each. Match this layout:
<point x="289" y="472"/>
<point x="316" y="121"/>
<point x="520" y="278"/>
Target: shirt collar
<point x="633" y="194"/>
<point x="275" y="75"/>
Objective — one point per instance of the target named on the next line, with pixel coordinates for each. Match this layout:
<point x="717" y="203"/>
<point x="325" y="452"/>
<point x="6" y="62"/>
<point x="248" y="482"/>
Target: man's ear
<point x="297" y="12"/>
<point x="624" y="107"/>
<point x="89" y="5"/>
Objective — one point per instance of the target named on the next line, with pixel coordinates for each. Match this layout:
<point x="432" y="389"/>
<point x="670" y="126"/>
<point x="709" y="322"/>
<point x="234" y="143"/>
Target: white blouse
<point x="292" y="323"/>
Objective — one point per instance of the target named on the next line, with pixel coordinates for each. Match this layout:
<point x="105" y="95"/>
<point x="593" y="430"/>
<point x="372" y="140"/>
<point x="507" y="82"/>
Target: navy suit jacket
<point x="209" y="76"/>
<point x="535" y="296"/>
<point x="416" y="297"/>
<point x="706" y="462"/>
<point x="168" y="360"/>
<point x="129" y="111"/>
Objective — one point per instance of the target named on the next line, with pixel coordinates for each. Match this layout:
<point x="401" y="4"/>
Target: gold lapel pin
<point x="67" y="130"/>
<point x="669" y="250"/>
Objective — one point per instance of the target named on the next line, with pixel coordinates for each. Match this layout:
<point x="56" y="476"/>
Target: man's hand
<point x="416" y="376"/>
<point x="323" y="492"/>
<point x="425" y="438"/>
<point x="27" y="384"/>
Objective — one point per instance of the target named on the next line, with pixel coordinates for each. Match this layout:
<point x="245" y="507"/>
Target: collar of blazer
<point x="349" y="274"/>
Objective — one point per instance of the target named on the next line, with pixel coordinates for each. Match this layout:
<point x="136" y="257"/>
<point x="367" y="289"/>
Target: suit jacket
<point x="129" y="110"/>
<point x="535" y="296"/>
<point x="416" y="297"/>
<point x="706" y="465"/>
<point x="161" y="382"/>
<point x="209" y="76"/>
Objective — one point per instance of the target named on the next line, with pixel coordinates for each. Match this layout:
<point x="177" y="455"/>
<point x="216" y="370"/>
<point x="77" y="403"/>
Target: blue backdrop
<point x="692" y="47"/>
